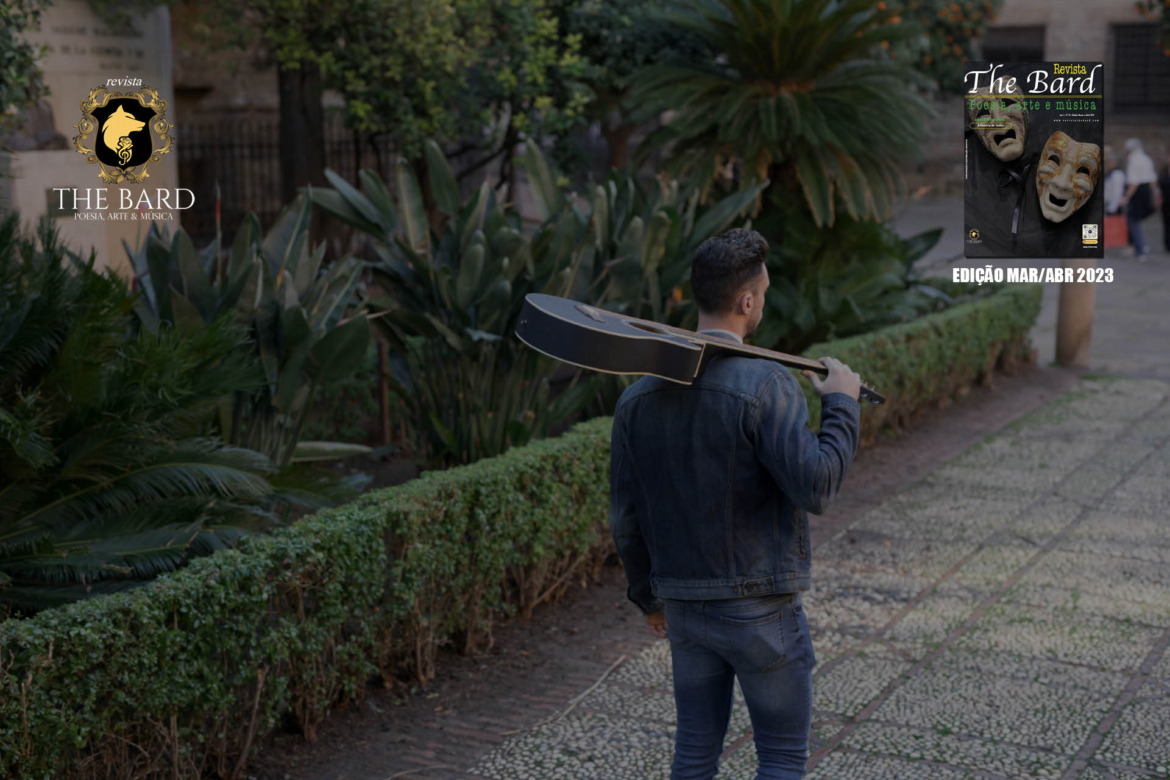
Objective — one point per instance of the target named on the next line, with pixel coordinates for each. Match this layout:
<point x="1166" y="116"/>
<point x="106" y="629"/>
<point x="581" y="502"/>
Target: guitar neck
<point x="730" y="345"/>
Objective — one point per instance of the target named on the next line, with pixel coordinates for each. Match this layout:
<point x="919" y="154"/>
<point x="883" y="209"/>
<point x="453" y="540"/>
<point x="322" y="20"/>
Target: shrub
<point x="918" y="365"/>
<point x="181" y="676"/>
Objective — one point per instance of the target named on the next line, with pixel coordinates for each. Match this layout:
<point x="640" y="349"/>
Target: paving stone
<point x="1140" y="738"/>
<point x="1040" y="523"/>
<point x="1104" y="772"/>
<point x="991" y="567"/>
<point x="989" y="696"/>
<point x="846" y="607"/>
<point x="923" y="558"/>
<point x="649" y="669"/>
<point x="932" y="621"/>
<point x="1062" y="635"/>
<point x="944" y="746"/>
<point x="846" y="688"/>
<point x="844" y="765"/>
<point x="583" y="747"/>
<point x="824" y="728"/>
<point x="1112" y="534"/>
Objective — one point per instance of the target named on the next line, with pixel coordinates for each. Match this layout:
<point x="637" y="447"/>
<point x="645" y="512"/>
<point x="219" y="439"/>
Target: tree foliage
<point x="107" y="476"/>
<point x="21" y="81"/>
<point x="946" y="29"/>
<point x="797" y="94"/>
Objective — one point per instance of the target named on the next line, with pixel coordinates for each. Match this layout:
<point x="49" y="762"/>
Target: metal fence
<point x="243" y="156"/>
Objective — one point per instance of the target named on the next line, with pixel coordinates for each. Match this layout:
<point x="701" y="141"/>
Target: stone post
<point x="1074" y="319"/>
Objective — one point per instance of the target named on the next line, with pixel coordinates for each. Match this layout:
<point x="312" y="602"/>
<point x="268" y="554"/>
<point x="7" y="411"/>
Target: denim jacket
<point x="711" y="483"/>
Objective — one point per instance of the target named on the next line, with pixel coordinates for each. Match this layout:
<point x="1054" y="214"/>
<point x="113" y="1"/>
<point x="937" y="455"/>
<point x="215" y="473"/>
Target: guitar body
<point x="614" y="343"/>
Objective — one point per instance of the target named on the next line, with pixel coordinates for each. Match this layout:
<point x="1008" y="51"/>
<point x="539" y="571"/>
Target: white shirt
<point x="1139" y="168"/>
<point x="727" y="334"/>
<point x="1114" y="190"/>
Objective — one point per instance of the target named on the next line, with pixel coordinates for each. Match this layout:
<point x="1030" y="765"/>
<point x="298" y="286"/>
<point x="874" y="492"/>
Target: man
<point x="1140" y="181"/>
<point x="710" y="485"/>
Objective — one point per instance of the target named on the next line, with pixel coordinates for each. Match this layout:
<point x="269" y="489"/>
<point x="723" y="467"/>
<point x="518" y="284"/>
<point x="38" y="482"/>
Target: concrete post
<point x="1074" y="318"/>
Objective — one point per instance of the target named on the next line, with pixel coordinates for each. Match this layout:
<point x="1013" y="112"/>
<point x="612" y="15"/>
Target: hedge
<point x="183" y="676"/>
<point x="925" y="363"/>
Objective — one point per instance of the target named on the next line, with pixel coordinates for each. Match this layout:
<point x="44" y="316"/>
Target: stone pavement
<point x="1006" y="616"/>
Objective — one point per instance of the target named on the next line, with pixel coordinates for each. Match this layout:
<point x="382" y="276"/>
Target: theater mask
<point x="1005" y="139"/>
<point x="1066" y="175"/>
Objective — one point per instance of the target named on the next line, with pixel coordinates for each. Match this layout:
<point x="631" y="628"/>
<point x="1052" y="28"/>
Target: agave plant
<point x="104" y="478"/>
<point x="796" y="94"/>
<point x="832" y="282"/>
<point x="452" y="294"/>
<point x="273" y="285"/>
<point x="637" y="254"/>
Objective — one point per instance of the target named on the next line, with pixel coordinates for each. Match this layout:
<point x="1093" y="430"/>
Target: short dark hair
<point x="723" y="265"/>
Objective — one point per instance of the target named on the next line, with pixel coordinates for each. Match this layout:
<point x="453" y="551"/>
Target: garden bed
<point x="184" y="675"/>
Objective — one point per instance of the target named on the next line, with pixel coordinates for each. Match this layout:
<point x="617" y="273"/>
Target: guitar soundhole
<point x="648" y="327"/>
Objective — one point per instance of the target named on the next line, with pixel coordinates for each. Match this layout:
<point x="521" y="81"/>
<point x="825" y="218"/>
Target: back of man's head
<point x="723" y="265"/>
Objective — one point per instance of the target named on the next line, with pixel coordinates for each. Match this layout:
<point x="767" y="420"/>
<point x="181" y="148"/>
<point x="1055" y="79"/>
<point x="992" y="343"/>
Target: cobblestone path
<point x="1007" y="616"/>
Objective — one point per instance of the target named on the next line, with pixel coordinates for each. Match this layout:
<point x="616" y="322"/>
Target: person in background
<point x="1138" y="201"/>
<point x="1114" y="182"/>
<point x="1164" y="188"/>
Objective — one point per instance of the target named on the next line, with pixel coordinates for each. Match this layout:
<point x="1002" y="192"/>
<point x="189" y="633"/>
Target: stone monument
<point x="83" y="52"/>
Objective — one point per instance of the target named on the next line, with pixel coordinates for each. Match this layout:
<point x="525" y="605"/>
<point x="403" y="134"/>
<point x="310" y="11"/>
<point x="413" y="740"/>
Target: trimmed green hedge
<point x="921" y="364"/>
<point x="183" y="676"/>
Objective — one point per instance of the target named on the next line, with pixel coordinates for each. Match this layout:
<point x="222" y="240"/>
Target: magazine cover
<point x="1034" y="159"/>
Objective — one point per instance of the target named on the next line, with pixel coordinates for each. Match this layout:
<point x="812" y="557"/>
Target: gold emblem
<point x="118" y="133"/>
<point x="974" y="234"/>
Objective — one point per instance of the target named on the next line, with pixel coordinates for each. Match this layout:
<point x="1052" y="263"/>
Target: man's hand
<point x="841" y="379"/>
<point x="657" y="623"/>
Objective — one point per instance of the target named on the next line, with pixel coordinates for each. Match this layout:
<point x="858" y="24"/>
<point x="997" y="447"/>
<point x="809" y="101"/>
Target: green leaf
<point x="355" y="207"/>
<point x="917" y="246"/>
<point x="469" y="272"/>
<point x="195" y="284"/>
<point x="342" y="351"/>
<point x="720" y="216"/>
<point x="443" y="184"/>
<point x="307" y="451"/>
<point x="414" y="215"/>
<point x="475" y="215"/>
<point x="188" y="320"/>
<point x="654" y="243"/>
<point x="545" y="193"/>
<point x="600" y="219"/>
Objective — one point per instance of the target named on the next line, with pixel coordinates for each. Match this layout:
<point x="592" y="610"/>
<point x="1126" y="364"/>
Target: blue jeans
<point x="1136" y="235"/>
<point x="762" y="640"/>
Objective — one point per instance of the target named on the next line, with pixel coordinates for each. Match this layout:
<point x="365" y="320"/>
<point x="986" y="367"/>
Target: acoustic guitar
<point x="617" y="344"/>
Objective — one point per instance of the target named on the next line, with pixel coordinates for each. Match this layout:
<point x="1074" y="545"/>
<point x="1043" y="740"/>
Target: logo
<point x="123" y="133"/>
<point x="1088" y="232"/>
<point x="973" y="234"/>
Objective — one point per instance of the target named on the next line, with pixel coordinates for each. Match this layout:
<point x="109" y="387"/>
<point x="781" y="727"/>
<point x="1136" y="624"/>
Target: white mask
<point x="1008" y="128"/>
<point x="1066" y="175"/>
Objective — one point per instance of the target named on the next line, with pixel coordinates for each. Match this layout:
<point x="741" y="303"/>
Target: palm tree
<point x="798" y="94"/>
<point x="106" y="476"/>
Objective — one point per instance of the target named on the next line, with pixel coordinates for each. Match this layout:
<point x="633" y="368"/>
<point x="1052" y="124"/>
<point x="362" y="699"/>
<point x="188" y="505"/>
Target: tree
<point x="21" y="81"/>
<point x="621" y="38"/>
<point x="947" y="29"/>
<point x="799" y="94"/>
<point x="1158" y="11"/>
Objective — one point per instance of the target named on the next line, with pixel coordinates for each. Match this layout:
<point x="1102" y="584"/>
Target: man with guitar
<point x="710" y="488"/>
